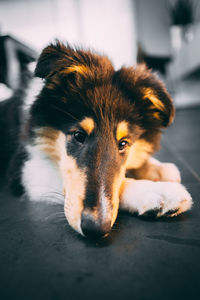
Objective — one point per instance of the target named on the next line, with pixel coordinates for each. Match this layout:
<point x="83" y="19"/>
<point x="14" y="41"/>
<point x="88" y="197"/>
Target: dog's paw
<point x="158" y="171"/>
<point x="176" y="199"/>
<point x="171" y="198"/>
<point x="156" y="198"/>
<point x="169" y="172"/>
<point x="149" y="204"/>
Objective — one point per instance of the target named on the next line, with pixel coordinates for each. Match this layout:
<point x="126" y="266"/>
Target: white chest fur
<point x="41" y="177"/>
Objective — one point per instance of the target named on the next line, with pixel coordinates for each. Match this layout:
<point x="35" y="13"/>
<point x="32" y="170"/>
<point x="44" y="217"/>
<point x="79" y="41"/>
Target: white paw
<point x="176" y="199"/>
<point x="148" y="203"/>
<point x="169" y="172"/>
<point x="161" y="198"/>
<point x="158" y="171"/>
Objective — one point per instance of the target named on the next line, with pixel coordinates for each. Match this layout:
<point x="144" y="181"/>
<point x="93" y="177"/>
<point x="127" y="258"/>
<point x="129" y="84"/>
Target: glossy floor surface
<point x="42" y="258"/>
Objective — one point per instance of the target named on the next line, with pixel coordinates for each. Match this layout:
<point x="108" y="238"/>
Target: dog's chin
<point x="76" y="227"/>
<point x="87" y="227"/>
<point x="73" y="216"/>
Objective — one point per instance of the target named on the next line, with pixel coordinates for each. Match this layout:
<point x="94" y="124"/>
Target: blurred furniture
<point x="14" y="58"/>
<point x="187" y="60"/>
<point x="154" y="62"/>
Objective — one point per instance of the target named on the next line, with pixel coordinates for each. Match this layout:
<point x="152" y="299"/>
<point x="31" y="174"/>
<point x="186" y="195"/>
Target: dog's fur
<point x="83" y="130"/>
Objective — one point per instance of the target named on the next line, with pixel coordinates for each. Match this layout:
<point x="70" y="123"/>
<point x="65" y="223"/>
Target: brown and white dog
<point x="84" y="128"/>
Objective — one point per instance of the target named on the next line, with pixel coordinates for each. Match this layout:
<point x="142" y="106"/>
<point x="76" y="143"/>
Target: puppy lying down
<point x="82" y="127"/>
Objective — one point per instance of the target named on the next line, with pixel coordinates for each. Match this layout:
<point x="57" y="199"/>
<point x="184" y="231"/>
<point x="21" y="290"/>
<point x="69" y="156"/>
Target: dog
<point x="89" y="131"/>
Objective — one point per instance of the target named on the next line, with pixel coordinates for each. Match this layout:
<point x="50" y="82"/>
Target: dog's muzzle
<point x="93" y="228"/>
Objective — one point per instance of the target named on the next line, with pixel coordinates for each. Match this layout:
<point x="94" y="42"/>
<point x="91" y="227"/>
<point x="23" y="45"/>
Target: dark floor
<point x="42" y="258"/>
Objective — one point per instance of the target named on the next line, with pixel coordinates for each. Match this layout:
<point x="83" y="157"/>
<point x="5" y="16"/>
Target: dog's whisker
<point x="57" y="214"/>
<point x="46" y="186"/>
<point x="52" y="195"/>
<point x="58" y="193"/>
<point x="59" y="196"/>
<point x="51" y="199"/>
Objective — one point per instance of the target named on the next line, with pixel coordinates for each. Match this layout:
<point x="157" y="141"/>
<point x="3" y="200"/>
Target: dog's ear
<point x="67" y="60"/>
<point x="50" y="56"/>
<point x="148" y="94"/>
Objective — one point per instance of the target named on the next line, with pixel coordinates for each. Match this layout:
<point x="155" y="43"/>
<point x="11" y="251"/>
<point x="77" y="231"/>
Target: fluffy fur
<point x="80" y="128"/>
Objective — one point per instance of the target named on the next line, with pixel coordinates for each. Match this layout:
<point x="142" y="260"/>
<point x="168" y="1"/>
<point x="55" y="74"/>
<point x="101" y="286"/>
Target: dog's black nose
<point x="94" y="229"/>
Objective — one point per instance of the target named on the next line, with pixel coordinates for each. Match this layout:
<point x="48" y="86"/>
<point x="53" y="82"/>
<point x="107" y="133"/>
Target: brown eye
<point x="122" y="145"/>
<point x="79" y="136"/>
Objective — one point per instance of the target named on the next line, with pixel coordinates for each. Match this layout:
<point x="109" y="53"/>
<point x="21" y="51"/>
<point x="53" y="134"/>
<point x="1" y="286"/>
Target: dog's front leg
<point x="146" y="197"/>
<point x="154" y="170"/>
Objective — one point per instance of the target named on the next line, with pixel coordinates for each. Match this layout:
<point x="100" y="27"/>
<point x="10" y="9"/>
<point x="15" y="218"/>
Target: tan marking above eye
<point x="149" y="94"/>
<point x="122" y="130"/>
<point x="76" y="68"/>
<point x="87" y="125"/>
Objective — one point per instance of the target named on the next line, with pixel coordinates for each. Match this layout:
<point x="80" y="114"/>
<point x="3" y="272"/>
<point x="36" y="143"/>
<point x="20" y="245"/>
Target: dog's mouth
<point x="92" y="214"/>
<point x="93" y="223"/>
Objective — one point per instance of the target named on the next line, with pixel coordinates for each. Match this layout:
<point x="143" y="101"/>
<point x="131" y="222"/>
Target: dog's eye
<point x="79" y="136"/>
<point x="122" y="145"/>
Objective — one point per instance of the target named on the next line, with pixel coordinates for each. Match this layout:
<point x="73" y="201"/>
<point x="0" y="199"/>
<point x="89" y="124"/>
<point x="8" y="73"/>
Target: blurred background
<point x="165" y="34"/>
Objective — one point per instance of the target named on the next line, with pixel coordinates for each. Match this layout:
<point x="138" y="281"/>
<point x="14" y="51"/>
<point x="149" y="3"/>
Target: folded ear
<point x="68" y="60"/>
<point x="148" y="94"/>
<point x="48" y="59"/>
<point x="57" y="56"/>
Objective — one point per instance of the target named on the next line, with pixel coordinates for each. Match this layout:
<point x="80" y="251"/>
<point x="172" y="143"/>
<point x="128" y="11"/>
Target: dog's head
<point x="88" y="118"/>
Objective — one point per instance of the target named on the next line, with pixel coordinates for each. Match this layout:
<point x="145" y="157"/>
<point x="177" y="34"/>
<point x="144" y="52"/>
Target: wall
<point x="107" y="25"/>
<point x="153" y="24"/>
